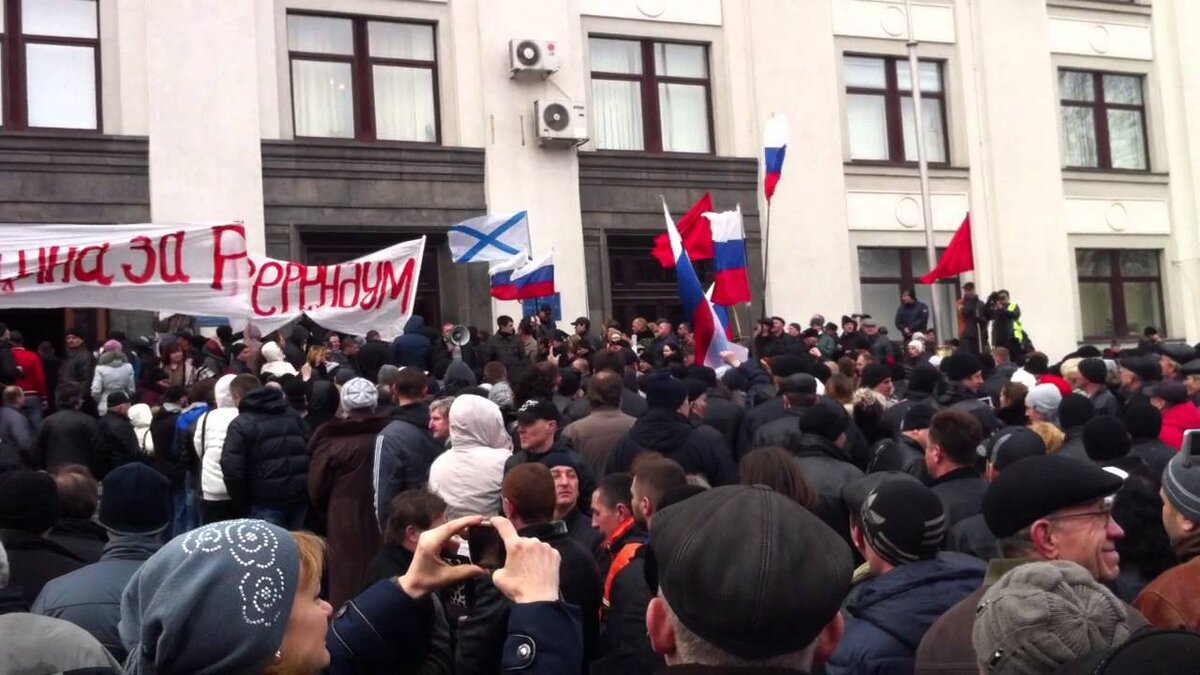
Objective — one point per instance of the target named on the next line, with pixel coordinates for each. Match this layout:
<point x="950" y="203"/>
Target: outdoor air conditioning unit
<point x="532" y="58"/>
<point x="560" y="124"/>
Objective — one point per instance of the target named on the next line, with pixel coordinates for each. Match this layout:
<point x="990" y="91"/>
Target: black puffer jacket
<point x="900" y="453"/>
<point x="66" y="438"/>
<point x="957" y="397"/>
<point x="699" y="450"/>
<point x="265" y="456"/>
<point x="115" y="444"/>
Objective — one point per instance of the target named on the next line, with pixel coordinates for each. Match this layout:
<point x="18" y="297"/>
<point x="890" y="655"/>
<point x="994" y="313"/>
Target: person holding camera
<point x="1007" y="330"/>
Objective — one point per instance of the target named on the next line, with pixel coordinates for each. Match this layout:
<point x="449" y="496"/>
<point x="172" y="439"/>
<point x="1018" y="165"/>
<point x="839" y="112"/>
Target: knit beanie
<point x="1044" y="614"/>
<point x="1093" y="370"/>
<point x="137" y="500"/>
<point x="1105" y="438"/>
<point x="214" y="600"/>
<point x="663" y="391"/>
<point x="1181" y="484"/>
<point x="111" y="346"/>
<point x="924" y="378"/>
<point x="1143" y="421"/>
<point x="960" y="366"/>
<point x="28" y="501"/>
<point x="824" y="420"/>
<point x="874" y="374"/>
<point x="1075" y="410"/>
<point x="904" y="522"/>
<point x="359" y="394"/>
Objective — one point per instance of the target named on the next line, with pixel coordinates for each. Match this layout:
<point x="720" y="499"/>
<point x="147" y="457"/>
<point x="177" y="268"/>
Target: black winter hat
<point x="28" y="501"/>
<point x="695" y="389"/>
<point x="1170" y="391"/>
<point x="137" y="500"/>
<point x="786" y="364"/>
<point x="542" y="409"/>
<point x="663" y="391"/>
<point x="924" y="378"/>
<point x="1161" y="652"/>
<point x="1143" y="421"/>
<point x="1075" y="410"/>
<point x="855" y="493"/>
<point x="904" y="522"/>
<point x="824" y="420"/>
<point x="1011" y="444"/>
<point x="704" y="374"/>
<point x="874" y="374"/>
<point x="918" y="416"/>
<point x="1036" y="487"/>
<point x="791" y="576"/>
<point x="960" y="366"/>
<point x="1146" y="368"/>
<point x="1093" y="370"/>
<point x="1106" y="439"/>
<point x="117" y="398"/>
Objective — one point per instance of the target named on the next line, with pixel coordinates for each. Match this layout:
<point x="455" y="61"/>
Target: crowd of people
<point x="839" y="502"/>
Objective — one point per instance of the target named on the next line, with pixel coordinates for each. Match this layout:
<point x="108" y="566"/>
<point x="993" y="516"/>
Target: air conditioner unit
<point x="532" y="58"/>
<point x="561" y="124"/>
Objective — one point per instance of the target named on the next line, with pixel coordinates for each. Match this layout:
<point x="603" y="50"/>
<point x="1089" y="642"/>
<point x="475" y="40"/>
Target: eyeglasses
<point x="1104" y="512"/>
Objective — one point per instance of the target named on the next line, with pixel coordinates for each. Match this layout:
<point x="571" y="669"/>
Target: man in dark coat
<point x="264" y="460"/>
<point x="963" y="391"/>
<point x="504" y="346"/>
<point x="950" y="458"/>
<point x="1144" y="423"/>
<point x="76" y="529"/>
<point x="922" y="385"/>
<point x="528" y="501"/>
<point x="906" y="450"/>
<point x="79" y="363"/>
<point x="413" y="348"/>
<point x="781" y="367"/>
<point x="339" y="484"/>
<point x="720" y="411"/>
<point x="115" y="442"/>
<point x="972" y="320"/>
<point x="135" y="511"/>
<point x="66" y="436"/>
<point x="631" y="403"/>
<point x="373" y="355"/>
<point x="900" y="531"/>
<point x="405" y="448"/>
<point x="663" y="336"/>
<point x="665" y="429"/>
<point x="912" y="316"/>
<point x="28" y="508"/>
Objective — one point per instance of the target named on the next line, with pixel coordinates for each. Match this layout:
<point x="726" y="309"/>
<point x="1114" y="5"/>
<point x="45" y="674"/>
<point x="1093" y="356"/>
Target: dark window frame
<point x="1116" y="280"/>
<point x="362" y="81"/>
<point x="893" y="110"/>
<point x="1100" y="108"/>
<point x="908" y="280"/>
<point x="14" y="113"/>
<point x="648" y="82"/>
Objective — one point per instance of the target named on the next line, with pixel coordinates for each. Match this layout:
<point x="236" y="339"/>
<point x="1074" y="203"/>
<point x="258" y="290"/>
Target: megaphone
<point x="460" y="336"/>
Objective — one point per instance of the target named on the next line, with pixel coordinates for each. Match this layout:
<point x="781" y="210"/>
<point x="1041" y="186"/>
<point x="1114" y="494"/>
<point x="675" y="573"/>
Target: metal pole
<point x="766" y="258"/>
<point x="914" y="70"/>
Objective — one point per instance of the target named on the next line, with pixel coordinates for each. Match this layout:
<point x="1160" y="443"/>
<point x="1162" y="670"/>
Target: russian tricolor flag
<point x="500" y="275"/>
<point x="775" y="138"/>
<point x="535" y="279"/>
<point x="729" y="258"/>
<point x="707" y="330"/>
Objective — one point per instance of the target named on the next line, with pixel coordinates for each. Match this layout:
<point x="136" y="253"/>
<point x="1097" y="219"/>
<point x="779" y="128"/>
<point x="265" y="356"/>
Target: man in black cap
<point x="950" y="457"/>
<point x="922" y="383"/>
<point x="116" y="443"/>
<point x="67" y="435"/>
<point x="797" y="394"/>
<point x="906" y="451"/>
<point x="1074" y="411"/>
<point x="1040" y="508"/>
<point x="881" y="347"/>
<point x="1179" y="414"/>
<point x="721" y="412"/>
<point x="963" y="391"/>
<point x="781" y="613"/>
<point x="779" y="368"/>
<point x="1191" y="379"/>
<point x="899" y="532"/>
<point x="545" y="327"/>
<point x="588" y="343"/>
<point x="1000" y="451"/>
<point x="665" y="429"/>
<point x="1137" y="373"/>
<point x="29" y="506"/>
<point x="135" y="511"/>
<point x="1144" y="422"/>
<point x="1092" y="380"/>
<point x="824" y="460"/>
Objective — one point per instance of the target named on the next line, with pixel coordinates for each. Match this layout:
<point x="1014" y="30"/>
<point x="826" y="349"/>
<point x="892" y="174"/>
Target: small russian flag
<point x="775" y="138"/>
<point x="535" y="279"/>
<point x="729" y="258"/>
<point x="500" y="276"/>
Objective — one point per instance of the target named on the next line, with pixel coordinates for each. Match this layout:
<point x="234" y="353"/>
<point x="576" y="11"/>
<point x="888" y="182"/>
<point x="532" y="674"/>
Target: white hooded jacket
<point x="469" y="475"/>
<point x="274" y="364"/>
<point x="140" y="416"/>
<point x="209" y="439"/>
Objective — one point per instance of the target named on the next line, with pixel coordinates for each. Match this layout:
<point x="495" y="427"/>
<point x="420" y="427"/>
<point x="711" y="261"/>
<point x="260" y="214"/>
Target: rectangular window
<point x="1104" y="120"/>
<point x="651" y="96"/>
<point x="880" y="114"/>
<point x="366" y="79"/>
<point x="49" y="64"/>
<point x="885" y="272"/>
<point x="1120" y="291"/>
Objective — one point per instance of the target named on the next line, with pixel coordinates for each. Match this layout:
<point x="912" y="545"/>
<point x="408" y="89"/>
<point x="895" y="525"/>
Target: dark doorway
<point x="640" y="286"/>
<point x="38" y="325"/>
<point x="326" y="248"/>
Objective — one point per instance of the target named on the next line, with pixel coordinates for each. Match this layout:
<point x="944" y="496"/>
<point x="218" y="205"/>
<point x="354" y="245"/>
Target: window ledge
<point x="883" y="169"/>
<point x="1100" y="176"/>
<point x="1114" y="6"/>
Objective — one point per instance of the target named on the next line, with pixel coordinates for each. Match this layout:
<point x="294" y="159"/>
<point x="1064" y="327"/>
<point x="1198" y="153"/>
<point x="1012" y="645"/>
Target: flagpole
<point x="914" y="70"/>
<point x="766" y="257"/>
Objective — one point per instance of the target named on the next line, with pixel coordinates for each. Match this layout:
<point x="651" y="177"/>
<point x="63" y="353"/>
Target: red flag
<point x="958" y="256"/>
<point x="695" y="231"/>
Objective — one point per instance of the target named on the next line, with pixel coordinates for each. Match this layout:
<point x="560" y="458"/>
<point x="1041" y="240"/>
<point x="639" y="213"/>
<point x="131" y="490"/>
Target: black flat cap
<point x="786" y="582"/>
<point x="918" y="417"/>
<point x="1010" y="444"/>
<point x="873" y="374"/>
<point x="1035" y="487"/>
<point x="825" y="420"/>
<point x="1146" y="368"/>
<point x="1191" y="367"/>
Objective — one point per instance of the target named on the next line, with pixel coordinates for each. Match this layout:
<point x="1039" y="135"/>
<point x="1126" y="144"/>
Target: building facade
<point x="1069" y="129"/>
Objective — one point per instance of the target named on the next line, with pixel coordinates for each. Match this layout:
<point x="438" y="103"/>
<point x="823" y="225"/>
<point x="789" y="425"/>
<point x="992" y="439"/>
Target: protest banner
<point x="192" y="268"/>
<point x="374" y="292"/>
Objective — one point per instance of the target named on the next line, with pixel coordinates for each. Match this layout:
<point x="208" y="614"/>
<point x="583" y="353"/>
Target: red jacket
<point x="1175" y="420"/>
<point x="33" y="378"/>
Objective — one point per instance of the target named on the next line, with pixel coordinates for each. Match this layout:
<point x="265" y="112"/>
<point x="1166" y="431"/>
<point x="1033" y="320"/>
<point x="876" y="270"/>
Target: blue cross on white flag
<point x="492" y="237"/>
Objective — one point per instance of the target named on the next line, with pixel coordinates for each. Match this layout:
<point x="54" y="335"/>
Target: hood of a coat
<point x="114" y="359"/>
<point x="272" y="352"/>
<point x="221" y="393"/>
<point x="660" y="430"/>
<point x="459" y="375"/>
<point x="140" y="415"/>
<point x="477" y="422"/>
<point x="907" y="600"/>
<point x="265" y="400"/>
<point x="415" y="324"/>
<point x="323" y="397"/>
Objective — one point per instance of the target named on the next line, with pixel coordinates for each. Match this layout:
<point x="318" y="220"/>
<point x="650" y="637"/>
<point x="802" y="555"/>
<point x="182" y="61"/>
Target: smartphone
<point x="485" y="546"/>
<point x="1191" y="443"/>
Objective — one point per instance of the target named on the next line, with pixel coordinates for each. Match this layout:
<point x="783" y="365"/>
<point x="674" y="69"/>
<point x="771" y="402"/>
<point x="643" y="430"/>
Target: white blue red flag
<point x="535" y="279"/>
<point x="729" y="258"/>
<point x="721" y="312"/>
<point x="500" y="276"/>
<point x="490" y="238"/>
<point x="706" y="329"/>
<point x="775" y="139"/>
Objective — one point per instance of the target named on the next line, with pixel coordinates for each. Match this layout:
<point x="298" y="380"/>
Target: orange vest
<point x="620" y="559"/>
